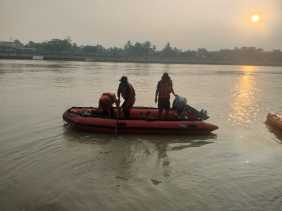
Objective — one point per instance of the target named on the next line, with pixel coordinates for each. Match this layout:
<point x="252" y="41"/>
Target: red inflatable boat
<point x="142" y="120"/>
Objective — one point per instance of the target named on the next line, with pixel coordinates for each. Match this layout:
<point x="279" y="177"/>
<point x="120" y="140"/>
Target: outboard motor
<point x="201" y="115"/>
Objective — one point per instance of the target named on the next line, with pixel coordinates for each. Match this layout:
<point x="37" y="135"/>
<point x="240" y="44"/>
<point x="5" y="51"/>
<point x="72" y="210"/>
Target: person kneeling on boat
<point x="179" y="105"/>
<point x="106" y="102"/>
<point x="127" y="92"/>
<point x="185" y="111"/>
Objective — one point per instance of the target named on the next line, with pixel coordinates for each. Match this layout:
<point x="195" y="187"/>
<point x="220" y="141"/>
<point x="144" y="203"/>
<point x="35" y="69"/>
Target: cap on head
<point x="123" y="79"/>
<point x="165" y="76"/>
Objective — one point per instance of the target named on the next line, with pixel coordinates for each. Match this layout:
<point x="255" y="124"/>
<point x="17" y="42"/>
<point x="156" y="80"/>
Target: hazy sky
<point x="192" y="24"/>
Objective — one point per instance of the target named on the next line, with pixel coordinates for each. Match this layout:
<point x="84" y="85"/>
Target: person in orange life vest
<point x="162" y="95"/>
<point x="106" y="102"/>
<point x="127" y="92"/>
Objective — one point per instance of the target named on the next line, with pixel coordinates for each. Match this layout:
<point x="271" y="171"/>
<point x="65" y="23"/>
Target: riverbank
<point x="156" y="60"/>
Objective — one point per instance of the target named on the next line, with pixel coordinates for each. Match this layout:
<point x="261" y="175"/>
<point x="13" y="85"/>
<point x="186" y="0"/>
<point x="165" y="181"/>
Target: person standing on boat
<point x="162" y="95"/>
<point x="127" y="92"/>
<point x="106" y="102"/>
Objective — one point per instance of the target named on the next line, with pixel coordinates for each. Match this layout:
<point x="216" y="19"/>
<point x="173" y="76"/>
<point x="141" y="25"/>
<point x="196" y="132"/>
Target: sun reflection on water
<point x="244" y="107"/>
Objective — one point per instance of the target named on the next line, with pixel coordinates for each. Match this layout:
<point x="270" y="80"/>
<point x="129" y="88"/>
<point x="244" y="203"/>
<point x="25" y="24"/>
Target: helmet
<point x="165" y="76"/>
<point x="123" y="79"/>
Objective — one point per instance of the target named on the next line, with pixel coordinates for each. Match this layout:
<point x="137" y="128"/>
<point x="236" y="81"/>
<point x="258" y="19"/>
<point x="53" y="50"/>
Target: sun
<point x="255" y="18"/>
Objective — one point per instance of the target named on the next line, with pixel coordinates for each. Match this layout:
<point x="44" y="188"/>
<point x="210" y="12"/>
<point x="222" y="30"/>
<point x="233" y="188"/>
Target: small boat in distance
<point x="38" y="57"/>
<point x="274" y="120"/>
<point x="142" y="120"/>
<point x="274" y="125"/>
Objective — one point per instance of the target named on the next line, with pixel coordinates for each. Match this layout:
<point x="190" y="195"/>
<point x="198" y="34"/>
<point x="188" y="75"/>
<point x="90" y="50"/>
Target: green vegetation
<point x="138" y="52"/>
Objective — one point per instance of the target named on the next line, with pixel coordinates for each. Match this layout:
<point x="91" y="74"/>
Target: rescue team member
<point x="179" y="104"/>
<point x="127" y="92"/>
<point x="162" y="95"/>
<point x="106" y="102"/>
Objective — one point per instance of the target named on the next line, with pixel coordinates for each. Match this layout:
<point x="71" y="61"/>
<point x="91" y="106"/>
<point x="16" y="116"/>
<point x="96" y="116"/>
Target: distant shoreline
<point x="137" y="52"/>
<point x="132" y="60"/>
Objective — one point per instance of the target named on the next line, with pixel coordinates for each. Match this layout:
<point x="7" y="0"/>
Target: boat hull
<point x="144" y="120"/>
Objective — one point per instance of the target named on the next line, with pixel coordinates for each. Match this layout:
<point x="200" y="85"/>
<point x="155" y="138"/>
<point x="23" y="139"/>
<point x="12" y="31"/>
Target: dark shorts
<point x="163" y="104"/>
<point x="126" y="106"/>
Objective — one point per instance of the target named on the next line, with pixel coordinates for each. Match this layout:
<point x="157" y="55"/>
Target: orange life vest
<point x="107" y="100"/>
<point x="164" y="88"/>
<point x="127" y="91"/>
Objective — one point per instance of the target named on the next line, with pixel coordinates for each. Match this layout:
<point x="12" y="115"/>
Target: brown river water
<point x="46" y="166"/>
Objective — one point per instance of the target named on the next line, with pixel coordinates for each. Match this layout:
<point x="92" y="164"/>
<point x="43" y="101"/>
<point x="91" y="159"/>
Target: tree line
<point x="146" y="52"/>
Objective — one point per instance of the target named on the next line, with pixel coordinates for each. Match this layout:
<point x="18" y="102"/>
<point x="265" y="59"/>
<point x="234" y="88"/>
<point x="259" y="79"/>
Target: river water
<point x="46" y="166"/>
